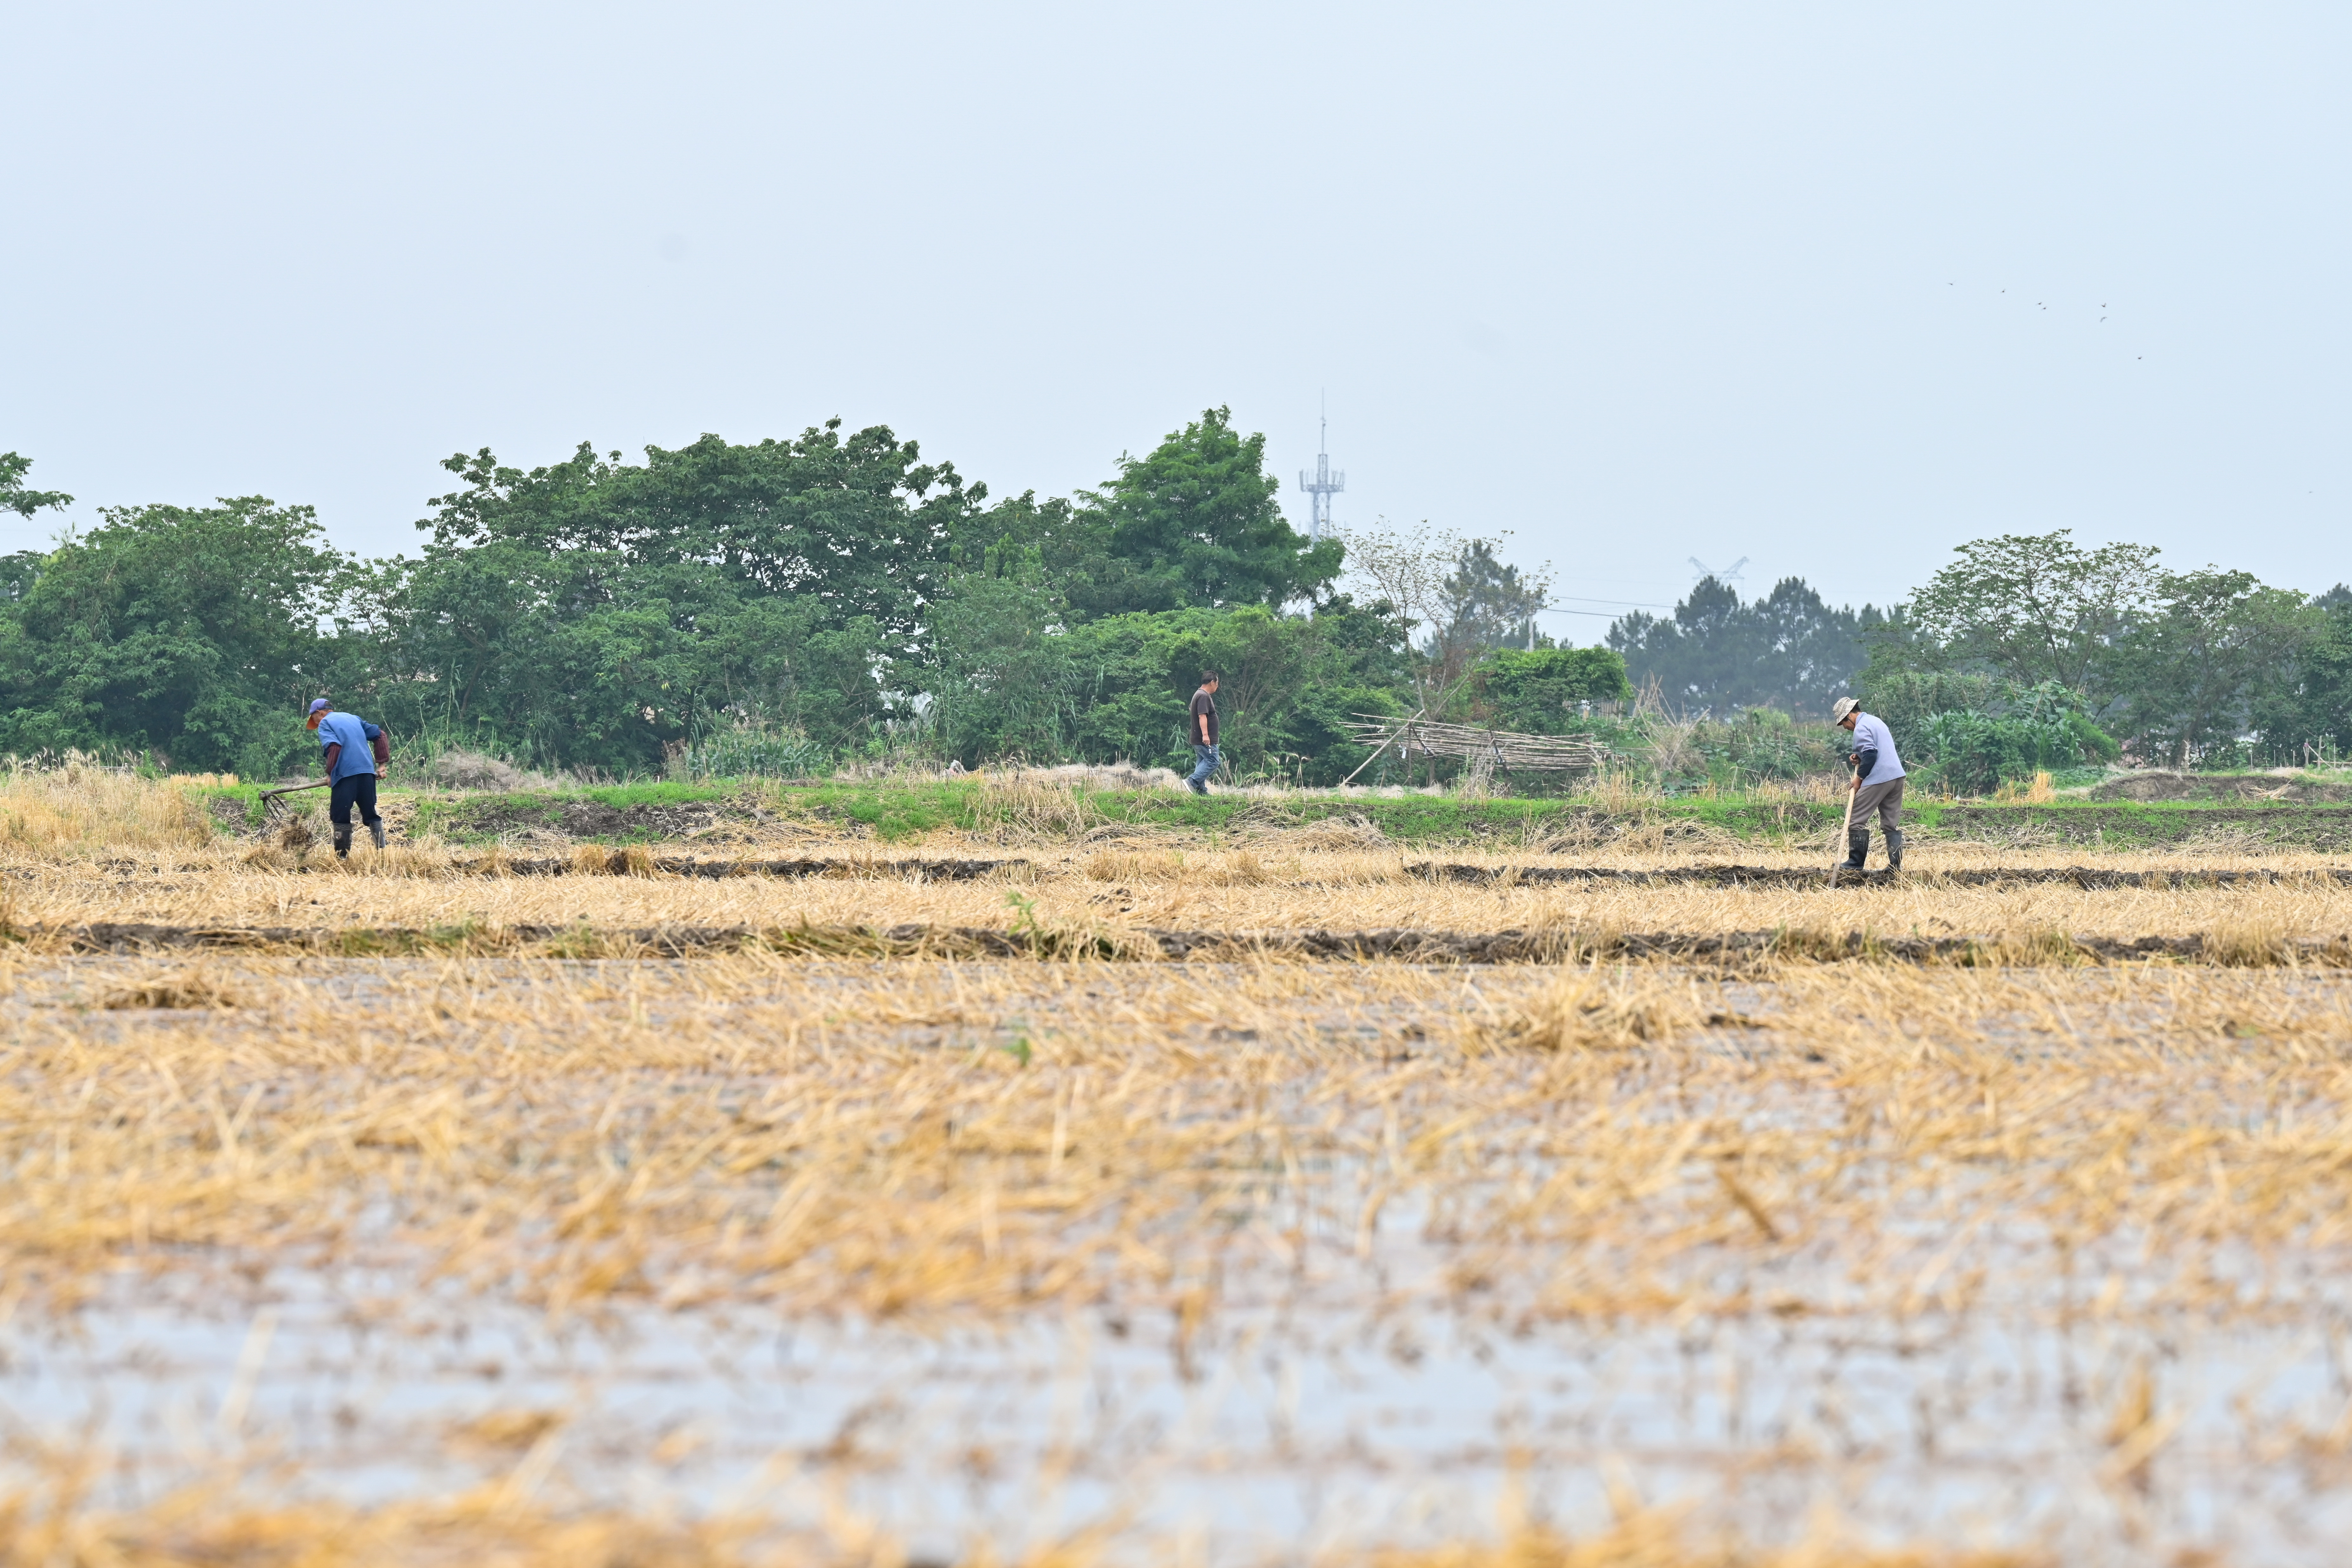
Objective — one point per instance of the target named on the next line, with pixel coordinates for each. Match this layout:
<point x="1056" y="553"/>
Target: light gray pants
<point x="1886" y="799"/>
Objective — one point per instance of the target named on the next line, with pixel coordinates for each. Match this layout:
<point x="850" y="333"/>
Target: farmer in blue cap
<point x="356" y="750"/>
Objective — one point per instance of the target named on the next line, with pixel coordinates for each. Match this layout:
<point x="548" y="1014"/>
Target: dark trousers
<point x="352" y="789"/>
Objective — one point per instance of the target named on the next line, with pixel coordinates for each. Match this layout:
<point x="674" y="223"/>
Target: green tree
<point x="2311" y="706"/>
<point x="2191" y="671"/>
<point x="1906" y="699"/>
<point x="1789" y="649"/>
<point x="1489" y="602"/>
<point x="1195" y="523"/>
<point x="1009" y="681"/>
<point x="589" y="657"/>
<point x="1541" y="691"/>
<point x="193" y="632"/>
<point x="857" y="524"/>
<point x="2036" y="607"/>
<point x="16" y="498"/>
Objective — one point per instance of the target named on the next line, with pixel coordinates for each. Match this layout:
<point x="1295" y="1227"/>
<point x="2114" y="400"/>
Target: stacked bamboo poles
<point x="1505" y="750"/>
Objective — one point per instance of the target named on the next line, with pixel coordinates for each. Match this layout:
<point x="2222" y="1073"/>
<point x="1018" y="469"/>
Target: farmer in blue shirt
<point x="354" y="750"/>
<point x="1878" y="784"/>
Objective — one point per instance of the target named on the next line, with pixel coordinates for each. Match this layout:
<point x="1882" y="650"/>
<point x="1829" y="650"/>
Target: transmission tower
<point x="1701" y="570"/>
<point x="1322" y="485"/>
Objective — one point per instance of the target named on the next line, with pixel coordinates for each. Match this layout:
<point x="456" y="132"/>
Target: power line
<point x="1637" y="604"/>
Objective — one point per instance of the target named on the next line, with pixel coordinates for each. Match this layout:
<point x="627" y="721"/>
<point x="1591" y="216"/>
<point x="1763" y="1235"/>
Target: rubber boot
<point x="375" y="831"/>
<point x="343" y="841"/>
<point x="1857" y="848"/>
<point x="1895" y="849"/>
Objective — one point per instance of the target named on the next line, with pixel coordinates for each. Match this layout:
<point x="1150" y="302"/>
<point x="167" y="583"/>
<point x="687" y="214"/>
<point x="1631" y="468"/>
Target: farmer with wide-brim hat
<point x="1877" y="785"/>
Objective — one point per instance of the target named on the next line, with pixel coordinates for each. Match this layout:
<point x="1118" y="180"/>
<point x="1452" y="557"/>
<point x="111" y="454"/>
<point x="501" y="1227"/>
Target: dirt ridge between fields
<point x="2088" y="877"/>
<point x="622" y="862"/>
<point x="1406" y="945"/>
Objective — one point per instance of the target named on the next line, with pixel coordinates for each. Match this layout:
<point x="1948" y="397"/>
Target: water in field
<point x="1327" y="1413"/>
<point x="1368" y="1376"/>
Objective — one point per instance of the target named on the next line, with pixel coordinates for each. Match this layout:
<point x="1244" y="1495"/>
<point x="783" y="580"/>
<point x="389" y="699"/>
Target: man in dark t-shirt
<point x="1202" y="725"/>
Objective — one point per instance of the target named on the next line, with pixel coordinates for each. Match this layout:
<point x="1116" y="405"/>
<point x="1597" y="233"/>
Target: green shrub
<point x="2044" y="727"/>
<point x="1537" y="691"/>
<point x="756" y="753"/>
<point x="1910" y="699"/>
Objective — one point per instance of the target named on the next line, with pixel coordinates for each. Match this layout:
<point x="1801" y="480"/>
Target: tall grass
<point x="753" y="753"/>
<point x="76" y="801"/>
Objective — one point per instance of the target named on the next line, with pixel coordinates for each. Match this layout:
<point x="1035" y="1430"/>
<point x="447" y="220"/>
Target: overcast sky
<point x="1833" y="288"/>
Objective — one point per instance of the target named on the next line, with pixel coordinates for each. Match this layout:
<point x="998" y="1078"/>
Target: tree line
<point x="2035" y="646"/>
<point x="838" y="591"/>
<point x="837" y="594"/>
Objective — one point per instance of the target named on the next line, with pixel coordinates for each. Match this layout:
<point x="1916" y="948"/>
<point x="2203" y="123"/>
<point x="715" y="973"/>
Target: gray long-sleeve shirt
<point x="1874" y="749"/>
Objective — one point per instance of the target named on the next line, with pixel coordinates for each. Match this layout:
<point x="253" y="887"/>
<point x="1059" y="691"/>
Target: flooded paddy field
<point x="750" y="1258"/>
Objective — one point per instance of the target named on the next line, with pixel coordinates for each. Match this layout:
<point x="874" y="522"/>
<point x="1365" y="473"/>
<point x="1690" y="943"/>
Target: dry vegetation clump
<point x="458" y="769"/>
<point x="623" y="860"/>
<point x="82" y="805"/>
<point x="494" y="1527"/>
<point x="1657" y="1538"/>
<point x="1242" y="867"/>
<point x="179" y="988"/>
<point x="1029" y="805"/>
<point x="59" y="1524"/>
<point x="1135" y="864"/>
<point x="1608" y="1009"/>
<point x="1352" y="832"/>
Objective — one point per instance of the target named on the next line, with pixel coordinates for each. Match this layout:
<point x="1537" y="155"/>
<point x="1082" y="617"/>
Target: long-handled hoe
<point x="1845" y="837"/>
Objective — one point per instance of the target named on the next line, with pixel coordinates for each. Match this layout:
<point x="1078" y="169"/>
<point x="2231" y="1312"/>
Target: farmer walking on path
<point x="1877" y="785"/>
<point x="354" y="750"/>
<point x="1204" y="734"/>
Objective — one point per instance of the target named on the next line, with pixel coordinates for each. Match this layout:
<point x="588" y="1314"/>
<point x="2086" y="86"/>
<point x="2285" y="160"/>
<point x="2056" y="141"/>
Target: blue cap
<point x="320" y="704"/>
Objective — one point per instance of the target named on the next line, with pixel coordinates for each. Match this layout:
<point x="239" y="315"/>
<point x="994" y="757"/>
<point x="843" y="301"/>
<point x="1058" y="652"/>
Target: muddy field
<point x="732" y="1258"/>
<point x="947" y="1212"/>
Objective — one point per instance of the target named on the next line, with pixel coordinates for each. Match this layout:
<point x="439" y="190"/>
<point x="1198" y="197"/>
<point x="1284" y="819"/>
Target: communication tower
<point x="1321" y="485"/>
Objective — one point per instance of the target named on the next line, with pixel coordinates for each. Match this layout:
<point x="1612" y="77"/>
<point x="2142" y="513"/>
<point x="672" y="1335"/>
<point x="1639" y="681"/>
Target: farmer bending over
<point x="356" y="750"/>
<point x="1877" y="785"/>
<point x="1203" y="722"/>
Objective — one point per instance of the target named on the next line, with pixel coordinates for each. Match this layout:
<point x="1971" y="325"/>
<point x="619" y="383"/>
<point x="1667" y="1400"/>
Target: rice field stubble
<point x="1242" y="888"/>
<point x="745" y="1258"/>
